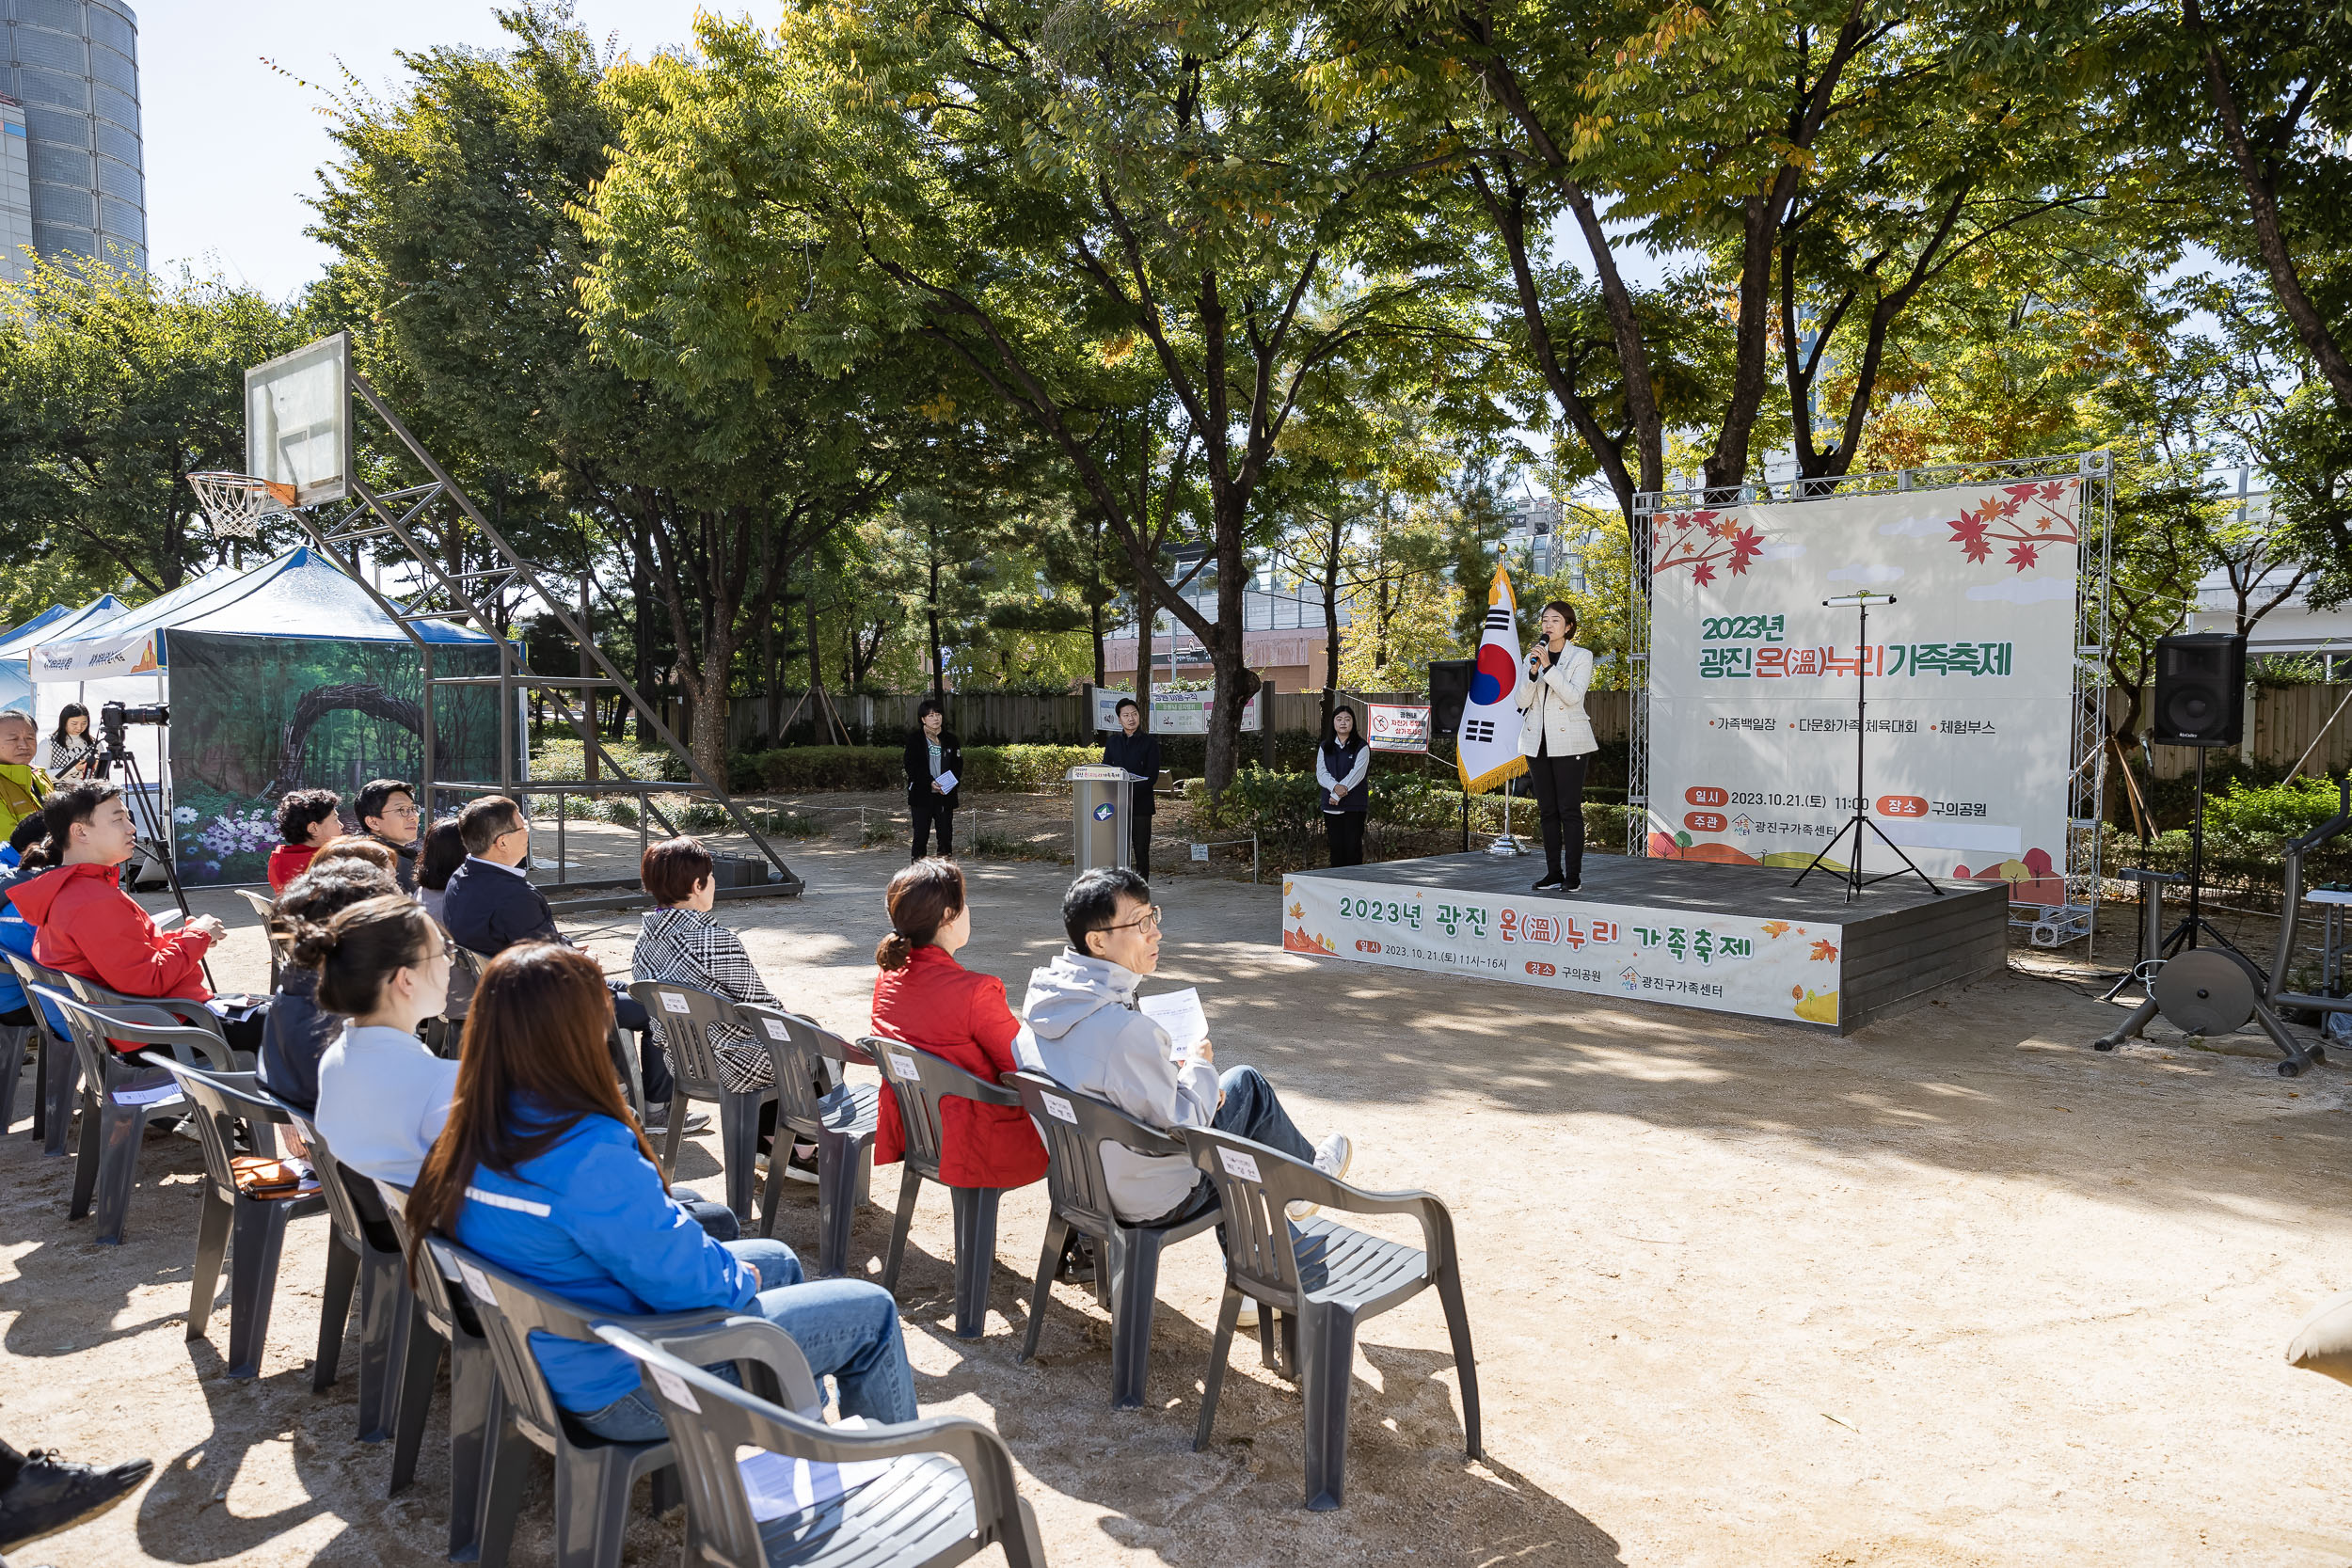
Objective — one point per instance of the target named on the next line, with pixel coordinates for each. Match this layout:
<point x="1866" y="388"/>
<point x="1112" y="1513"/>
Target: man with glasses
<point x="1080" y="1027"/>
<point x="388" y="813"/>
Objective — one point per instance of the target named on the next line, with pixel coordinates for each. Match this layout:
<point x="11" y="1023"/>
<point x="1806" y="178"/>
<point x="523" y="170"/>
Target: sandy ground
<point x="1954" y="1290"/>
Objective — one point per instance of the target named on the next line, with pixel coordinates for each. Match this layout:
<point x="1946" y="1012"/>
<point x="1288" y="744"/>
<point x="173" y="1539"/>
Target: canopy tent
<point x="58" y="622"/>
<point x="285" y="675"/>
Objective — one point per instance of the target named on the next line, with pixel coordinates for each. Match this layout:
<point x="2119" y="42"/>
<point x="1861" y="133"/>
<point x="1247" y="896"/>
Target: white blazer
<point x="1555" y="706"/>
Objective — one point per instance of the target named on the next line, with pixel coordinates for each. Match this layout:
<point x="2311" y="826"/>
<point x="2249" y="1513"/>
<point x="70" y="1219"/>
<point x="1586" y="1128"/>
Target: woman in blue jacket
<point x="542" y="1170"/>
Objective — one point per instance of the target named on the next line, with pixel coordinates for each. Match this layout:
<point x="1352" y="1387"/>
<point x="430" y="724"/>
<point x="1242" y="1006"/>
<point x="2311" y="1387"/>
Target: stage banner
<point x="1970" y="679"/>
<point x="1726" y="963"/>
<point x="1397" y="726"/>
<point x="1172" y="712"/>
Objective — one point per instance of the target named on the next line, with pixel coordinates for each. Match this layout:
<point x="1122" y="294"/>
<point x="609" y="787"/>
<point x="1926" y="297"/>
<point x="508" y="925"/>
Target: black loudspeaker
<point x="1449" y="693"/>
<point x="2200" y="689"/>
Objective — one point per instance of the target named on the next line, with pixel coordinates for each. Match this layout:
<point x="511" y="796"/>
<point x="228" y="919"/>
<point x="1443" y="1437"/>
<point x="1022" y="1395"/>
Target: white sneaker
<point x="1248" y="1318"/>
<point x="1332" y="1158"/>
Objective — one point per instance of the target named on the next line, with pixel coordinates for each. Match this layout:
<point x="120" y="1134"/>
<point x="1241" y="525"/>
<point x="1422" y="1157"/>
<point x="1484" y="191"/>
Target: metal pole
<point x="587" y="694"/>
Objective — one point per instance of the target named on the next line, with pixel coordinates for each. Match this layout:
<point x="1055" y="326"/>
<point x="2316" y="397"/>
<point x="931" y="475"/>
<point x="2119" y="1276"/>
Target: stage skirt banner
<point x="1727" y="963"/>
<point x="1970" y="679"/>
<point x="1397" y="726"/>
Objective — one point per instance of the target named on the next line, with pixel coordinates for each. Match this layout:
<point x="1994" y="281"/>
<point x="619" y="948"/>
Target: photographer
<point x="85" y="925"/>
<point x="72" y="746"/>
<point x="22" y="787"/>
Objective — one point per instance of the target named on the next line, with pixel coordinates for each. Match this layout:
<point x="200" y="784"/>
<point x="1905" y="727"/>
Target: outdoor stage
<point x="1730" y="938"/>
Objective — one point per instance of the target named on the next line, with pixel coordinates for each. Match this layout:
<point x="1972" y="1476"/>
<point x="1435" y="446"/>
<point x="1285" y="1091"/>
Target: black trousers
<point x="1346" y="830"/>
<point x="629" y="1015"/>
<point x="1559" y="802"/>
<point x="1140" y="843"/>
<point x="930" y="811"/>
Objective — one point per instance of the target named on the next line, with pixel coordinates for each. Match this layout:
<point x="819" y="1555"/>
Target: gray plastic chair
<point x="1323" y="1280"/>
<point x="280" y="944"/>
<point x="443" y="1319"/>
<point x="946" y="1496"/>
<point x="593" y="1476"/>
<point x="177" y="1009"/>
<point x="247" y="1228"/>
<point x="121" y="1092"/>
<point x="683" y="1017"/>
<point x="14" y="1040"/>
<point x="919" y="1080"/>
<point x="1127" y="1257"/>
<point x="841" y="1121"/>
<point x="55" y="1069"/>
<point x="365" y="1254"/>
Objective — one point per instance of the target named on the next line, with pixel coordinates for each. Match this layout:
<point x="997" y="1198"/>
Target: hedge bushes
<point x="796" y="769"/>
<point x="1409" y="814"/>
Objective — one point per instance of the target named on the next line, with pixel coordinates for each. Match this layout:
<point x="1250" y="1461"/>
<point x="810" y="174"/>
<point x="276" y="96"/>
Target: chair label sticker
<point x="477" y="1283"/>
<point x="673" y="1002"/>
<point x="775" y="1028"/>
<point x="903" y="1065"/>
<point x="1240" y="1165"/>
<point x="673" y="1388"/>
<point x="1059" y="1109"/>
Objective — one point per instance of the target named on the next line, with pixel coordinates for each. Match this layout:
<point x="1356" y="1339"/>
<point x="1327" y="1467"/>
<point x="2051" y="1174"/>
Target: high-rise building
<point x="71" y="178"/>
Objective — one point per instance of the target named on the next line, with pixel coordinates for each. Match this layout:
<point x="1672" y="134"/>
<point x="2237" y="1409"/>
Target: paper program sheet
<point x="1179" y="1012"/>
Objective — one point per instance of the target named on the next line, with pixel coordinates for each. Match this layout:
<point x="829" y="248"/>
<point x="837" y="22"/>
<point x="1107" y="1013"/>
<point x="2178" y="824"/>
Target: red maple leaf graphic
<point x="2023" y="492"/>
<point x="2056" y="489"/>
<point x="2022" y="556"/>
<point x="1968" y="534"/>
<point x="1704" y="573"/>
<point x="1823" y="948"/>
<point x="1746" y="545"/>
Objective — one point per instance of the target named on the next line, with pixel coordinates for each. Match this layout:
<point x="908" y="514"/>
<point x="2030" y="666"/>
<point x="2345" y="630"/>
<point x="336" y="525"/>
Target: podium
<point x="1098" y="815"/>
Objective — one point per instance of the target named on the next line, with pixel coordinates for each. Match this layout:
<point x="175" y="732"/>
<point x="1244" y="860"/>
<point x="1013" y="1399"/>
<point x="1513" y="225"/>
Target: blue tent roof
<point x="59" y="622"/>
<point x="15" y="691"/>
<point x="299" y="594"/>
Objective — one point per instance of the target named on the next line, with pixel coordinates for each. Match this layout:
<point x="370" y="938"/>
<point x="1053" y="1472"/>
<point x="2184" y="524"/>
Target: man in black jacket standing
<point x="1139" y="754"/>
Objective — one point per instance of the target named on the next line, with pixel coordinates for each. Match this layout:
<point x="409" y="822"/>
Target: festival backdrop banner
<point x="1486" y="751"/>
<point x="253" y="717"/>
<point x="1970" y="679"/>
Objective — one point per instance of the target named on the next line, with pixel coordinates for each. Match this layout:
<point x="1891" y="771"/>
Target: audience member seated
<point x="1080" y="1027"/>
<point x="382" y="1096"/>
<point x="299" y="1030"/>
<point x="22" y="787"/>
<point x="444" y="851"/>
<point x="387" y="809"/>
<point x="490" y="905"/>
<point x="541" y="1171"/>
<point x="361" y="850"/>
<point x="85" y="925"/>
<point x="680" y="943"/>
<point x="923" y="997"/>
<point x="307" y="822"/>
<point x="16" y="932"/>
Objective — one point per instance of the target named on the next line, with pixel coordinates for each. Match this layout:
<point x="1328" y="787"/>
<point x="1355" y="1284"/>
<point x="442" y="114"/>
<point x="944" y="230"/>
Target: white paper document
<point x="1178" y="1012"/>
<point x="947" y="783"/>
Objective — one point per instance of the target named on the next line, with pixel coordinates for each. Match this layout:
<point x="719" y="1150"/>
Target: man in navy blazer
<point x="491" y="905"/>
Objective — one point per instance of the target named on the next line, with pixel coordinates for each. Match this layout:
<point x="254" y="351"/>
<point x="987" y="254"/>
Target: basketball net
<point x="236" y="504"/>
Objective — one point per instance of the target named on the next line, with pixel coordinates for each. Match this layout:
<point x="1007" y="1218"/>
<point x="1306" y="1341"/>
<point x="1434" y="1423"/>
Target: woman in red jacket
<point x="923" y="997"/>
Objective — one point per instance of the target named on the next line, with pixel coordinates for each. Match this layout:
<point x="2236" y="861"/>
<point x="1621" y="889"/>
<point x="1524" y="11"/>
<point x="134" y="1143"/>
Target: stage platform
<point x="1731" y="939"/>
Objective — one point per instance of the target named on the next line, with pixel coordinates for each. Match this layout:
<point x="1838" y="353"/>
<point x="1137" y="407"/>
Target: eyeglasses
<point x="398" y="811"/>
<point x="1149" y="921"/>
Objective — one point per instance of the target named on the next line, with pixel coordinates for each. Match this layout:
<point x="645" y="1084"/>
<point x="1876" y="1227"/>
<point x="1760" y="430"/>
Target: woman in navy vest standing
<point x="1343" y="768"/>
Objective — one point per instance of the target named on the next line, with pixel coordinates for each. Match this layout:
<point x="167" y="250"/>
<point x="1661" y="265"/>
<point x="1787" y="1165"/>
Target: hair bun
<point x="894" y="950"/>
<point x="313" y="944"/>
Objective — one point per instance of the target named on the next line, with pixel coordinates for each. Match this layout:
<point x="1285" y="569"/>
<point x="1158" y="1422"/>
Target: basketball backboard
<point x="298" y="420"/>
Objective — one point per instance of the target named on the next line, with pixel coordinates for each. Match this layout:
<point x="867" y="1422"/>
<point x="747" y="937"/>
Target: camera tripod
<point x="1859" y="824"/>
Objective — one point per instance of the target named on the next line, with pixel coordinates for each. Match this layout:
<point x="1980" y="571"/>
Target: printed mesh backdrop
<point x="1970" y="679"/>
<point x="253" y="717"/>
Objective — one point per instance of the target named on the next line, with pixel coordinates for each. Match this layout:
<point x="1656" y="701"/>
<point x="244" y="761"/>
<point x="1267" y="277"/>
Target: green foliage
<point x="2264" y="817"/>
<point x="794" y="770"/>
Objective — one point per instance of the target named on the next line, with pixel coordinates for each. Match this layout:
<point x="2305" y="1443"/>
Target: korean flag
<point x="1488" y="751"/>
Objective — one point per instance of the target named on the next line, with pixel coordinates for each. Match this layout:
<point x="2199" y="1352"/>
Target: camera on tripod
<point x="114" y="718"/>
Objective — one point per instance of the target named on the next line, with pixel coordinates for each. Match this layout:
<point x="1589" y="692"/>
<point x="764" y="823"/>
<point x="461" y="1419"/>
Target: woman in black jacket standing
<point x="1138" y="754"/>
<point x="932" y="756"/>
<point x="1344" y="769"/>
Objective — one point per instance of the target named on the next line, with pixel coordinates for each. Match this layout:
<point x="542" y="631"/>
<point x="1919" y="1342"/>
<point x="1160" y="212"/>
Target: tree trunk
<point x="1145" y="616"/>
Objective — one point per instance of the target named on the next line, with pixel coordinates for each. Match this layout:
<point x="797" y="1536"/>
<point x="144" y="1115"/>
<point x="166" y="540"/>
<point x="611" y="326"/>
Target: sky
<point x="232" y="147"/>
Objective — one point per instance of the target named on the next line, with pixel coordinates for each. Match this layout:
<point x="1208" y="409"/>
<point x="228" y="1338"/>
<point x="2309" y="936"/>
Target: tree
<point x="114" y="385"/>
<point x="1089" y="211"/>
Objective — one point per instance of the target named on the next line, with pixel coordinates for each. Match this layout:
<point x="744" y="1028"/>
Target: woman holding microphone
<point x="1556" y="738"/>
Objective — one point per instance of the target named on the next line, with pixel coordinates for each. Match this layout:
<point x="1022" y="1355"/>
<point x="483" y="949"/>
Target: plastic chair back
<point x="800" y="1054"/>
<point x="1253" y="1190"/>
<point x="1076" y="1127"/>
<point x="91" y="1028"/>
<point x="29" y="974"/>
<point x="946" y="1490"/>
<point x="919" y="1080"/>
<point x="683" y="1017"/>
<point x="173" y="1009"/>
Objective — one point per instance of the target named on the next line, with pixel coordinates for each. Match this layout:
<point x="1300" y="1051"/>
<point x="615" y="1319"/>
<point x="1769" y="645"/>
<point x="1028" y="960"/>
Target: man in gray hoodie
<point x="1080" y="1027"/>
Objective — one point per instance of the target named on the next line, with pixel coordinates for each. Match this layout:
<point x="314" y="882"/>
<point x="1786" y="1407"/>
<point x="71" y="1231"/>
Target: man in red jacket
<point x="85" y="925"/>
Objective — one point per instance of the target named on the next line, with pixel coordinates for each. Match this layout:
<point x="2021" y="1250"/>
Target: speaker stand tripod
<point x="1860" y="825"/>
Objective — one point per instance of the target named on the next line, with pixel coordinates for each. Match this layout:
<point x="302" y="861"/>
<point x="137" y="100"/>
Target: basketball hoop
<point x="236" y="504"/>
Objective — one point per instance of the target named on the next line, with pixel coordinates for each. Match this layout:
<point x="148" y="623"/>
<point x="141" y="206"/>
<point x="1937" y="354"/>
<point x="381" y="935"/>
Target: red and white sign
<point x="1396" y="726"/>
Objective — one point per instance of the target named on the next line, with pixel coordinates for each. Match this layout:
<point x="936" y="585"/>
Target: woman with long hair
<point x="1343" y="770"/>
<point x="923" y="997"/>
<point x="1556" y="738"/>
<point x="73" y="746"/>
<point x="542" y="1171"/>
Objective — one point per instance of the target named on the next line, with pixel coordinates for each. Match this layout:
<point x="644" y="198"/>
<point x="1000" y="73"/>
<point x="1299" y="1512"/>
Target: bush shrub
<point x="1011" y="767"/>
<point x="791" y="770"/>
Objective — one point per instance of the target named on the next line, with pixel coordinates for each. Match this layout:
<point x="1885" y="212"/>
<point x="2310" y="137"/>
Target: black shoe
<point x="50" y="1494"/>
<point x="1549" y="883"/>
<point x="1577" y="886"/>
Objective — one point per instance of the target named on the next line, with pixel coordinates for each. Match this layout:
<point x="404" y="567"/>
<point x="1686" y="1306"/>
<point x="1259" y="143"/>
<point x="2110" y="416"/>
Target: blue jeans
<point x="1249" y="1110"/>
<point x="846" y="1327"/>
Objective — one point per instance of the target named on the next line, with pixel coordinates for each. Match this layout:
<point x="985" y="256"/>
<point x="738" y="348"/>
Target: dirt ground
<point x="1954" y="1290"/>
